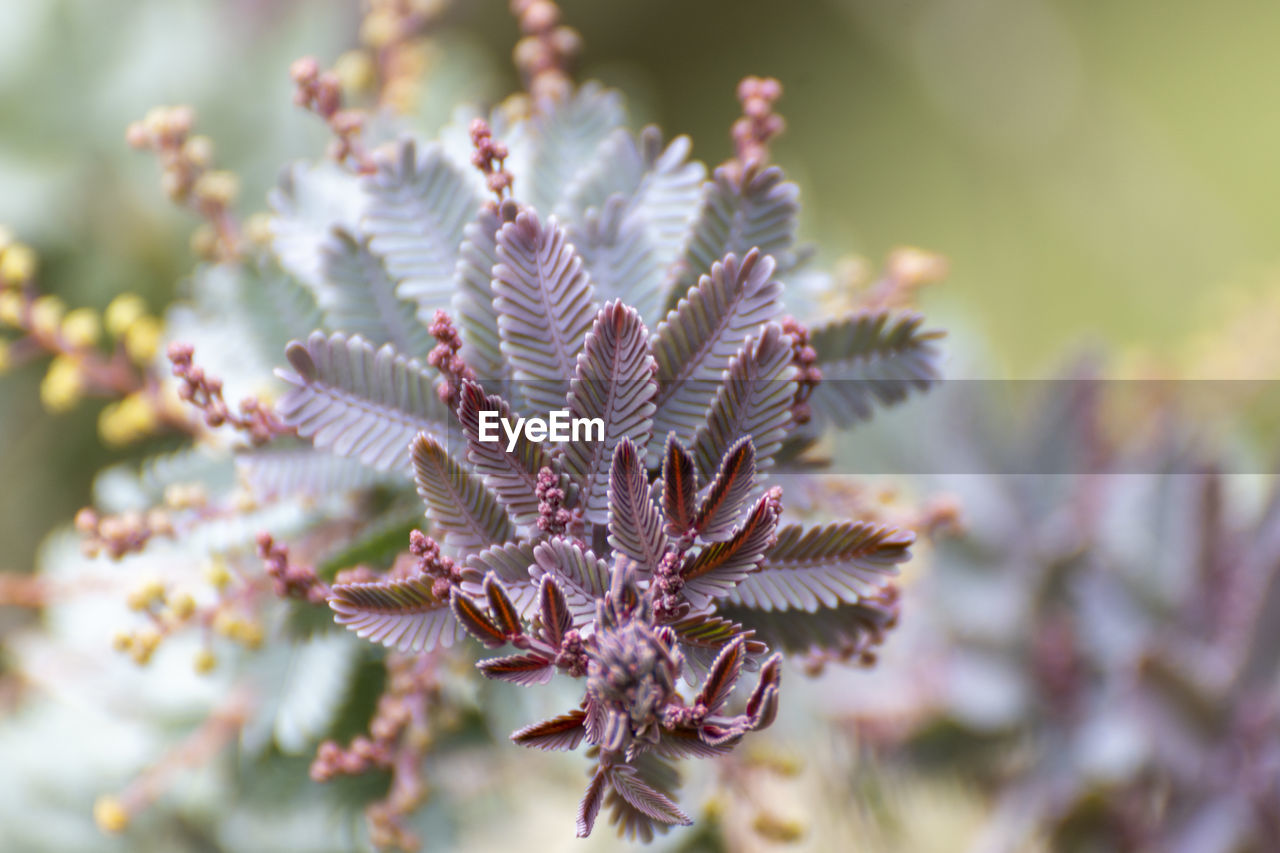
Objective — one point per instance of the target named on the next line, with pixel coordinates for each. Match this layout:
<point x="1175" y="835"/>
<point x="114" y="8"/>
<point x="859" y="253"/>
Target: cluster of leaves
<point x="623" y="283"/>
<point x="657" y="551"/>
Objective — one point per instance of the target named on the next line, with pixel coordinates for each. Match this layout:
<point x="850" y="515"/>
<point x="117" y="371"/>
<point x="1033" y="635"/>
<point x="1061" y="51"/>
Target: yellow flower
<point x="110" y="815"/>
<point x="205" y="661"/>
<point x="17" y="264"/>
<point x="355" y="71"/>
<point x="199" y="150"/>
<point x="11" y="308"/>
<point x="63" y="384"/>
<point x="219" y="187"/>
<point x="142" y="339"/>
<point x="123" y="312"/>
<point x="46" y="315"/>
<point x="258" y="229"/>
<point x="182" y="605"/>
<point x="217" y="575"/>
<point x="81" y="327"/>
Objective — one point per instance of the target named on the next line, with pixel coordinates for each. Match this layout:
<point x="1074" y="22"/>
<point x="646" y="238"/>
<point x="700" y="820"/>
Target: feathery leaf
<point x="613" y="381"/>
<point x="473" y="297"/>
<point x="525" y="670"/>
<point x="357" y="401"/>
<point x="728" y="492"/>
<point x="564" y="137"/>
<point x="458" y="504"/>
<point x="695" y="343"/>
<point x="545" y="307"/>
<point x="358" y="297"/>
<point x="419" y="206"/>
<point x="510" y="563"/>
<point x="635" y="525"/>
<point x="476" y="621"/>
<point x="872" y="357"/>
<point x="501" y="608"/>
<point x="589" y="808"/>
<point x="583" y="577"/>
<point x="513" y="476"/>
<point x="554" y="611"/>
<point x="837" y="563"/>
<point x="679" y="487"/>
<point x="756" y="211"/>
<point x="721" y="566"/>
<point x="562" y="732"/>
<point x="400" y="614"/>
<point x="723" y="675"/>
<point x="755" y="400"/>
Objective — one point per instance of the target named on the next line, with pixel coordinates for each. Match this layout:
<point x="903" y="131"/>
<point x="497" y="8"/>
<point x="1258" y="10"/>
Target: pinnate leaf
<point x="401" y="614"/>
<point x="695" y="343"/>
<point x="359" y="402"/>
<point x="419" y="206"/>
<point x="562" y="732"/>
<point x="869" y="358"/>
<point x="755" y="400"/>
<point x="635" y="525"/>
<point x="458" y="504"/>
<point x="613" y="381"/>
<point x="545" y="307"/>
<point x="826" y="566"/>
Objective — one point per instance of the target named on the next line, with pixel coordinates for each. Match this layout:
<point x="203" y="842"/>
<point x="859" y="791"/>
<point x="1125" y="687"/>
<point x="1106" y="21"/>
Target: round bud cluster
<point x="808" y="374"/>
<point x="489" y="157"/>
<point x="445" y="573"/>
<point x="321" y="92"/>
<point x="446" y="357"/>
<point x="122" y="534"/>
<point x="205" y="393"/>
<point x="290" y="580"/>
<point x="547" y="49"/>
<point x="759" y="124"/>
<point x="553" y="518"/>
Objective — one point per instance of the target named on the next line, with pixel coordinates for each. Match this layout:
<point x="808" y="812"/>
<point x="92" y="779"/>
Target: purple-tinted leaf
<point x="770" y="676"/>
<point x="562" y="732"/>
<point x="589" y="808"/>
<point x="505" y="615"/>
<point x="357" y="401"/>
<point x="679" y="487"/>
<point x="545" y="307"/>
<point x="755" y="399"/>
<point x="644" y="798"/>
<point x="613" y="381"/>
<point x="871" y="357"/>
<point x="696" y="341"/>
<point x="824" y="567"/>
<point x="510" y="563"/>
<point x="686" y="743"/>
<point x="723" y="675"/>
<point x="635" y="525"/>
<point x="556" y="618"/>
<point x="583" y="577"/>
<point x="729" y="491"/>
<point x="719" y="567"/>
<point x="477" y="623"/>
<point x="526" y="670"/>
<point x="458" y="504"/>
<point x="400" y="614"/>
<point x="512" y="477"/>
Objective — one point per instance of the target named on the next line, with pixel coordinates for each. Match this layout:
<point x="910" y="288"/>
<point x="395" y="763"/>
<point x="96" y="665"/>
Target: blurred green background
<point x="1096" y="172"/>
